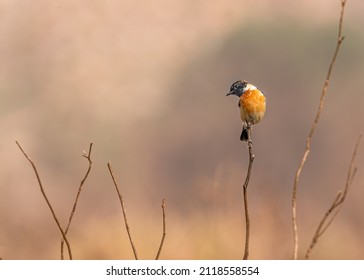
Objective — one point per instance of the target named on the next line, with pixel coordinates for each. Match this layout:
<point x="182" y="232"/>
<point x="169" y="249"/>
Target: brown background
<point x="146" y="83"/>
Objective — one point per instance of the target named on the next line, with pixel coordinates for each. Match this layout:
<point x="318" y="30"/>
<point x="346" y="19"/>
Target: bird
<point x="252" y="105"/>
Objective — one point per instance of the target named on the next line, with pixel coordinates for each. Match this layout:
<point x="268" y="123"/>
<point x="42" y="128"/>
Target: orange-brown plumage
<point x="252" y="105"/>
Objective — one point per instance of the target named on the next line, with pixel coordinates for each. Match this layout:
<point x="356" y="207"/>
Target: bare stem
<point x="163" y="205"/>
<point x="88" y="157"/>
<point x="336" y="204"/>
<point x="245" y="195"/>
<point x="340" y="39"/>
<point x="46" y="199"/>
<point x="123" y="210"/>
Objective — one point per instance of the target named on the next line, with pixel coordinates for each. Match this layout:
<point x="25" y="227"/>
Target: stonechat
<point x="251" y="104"/>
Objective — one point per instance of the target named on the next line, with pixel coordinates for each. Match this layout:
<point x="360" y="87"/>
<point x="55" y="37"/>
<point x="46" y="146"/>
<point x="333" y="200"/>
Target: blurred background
<point x="146" y="83"/>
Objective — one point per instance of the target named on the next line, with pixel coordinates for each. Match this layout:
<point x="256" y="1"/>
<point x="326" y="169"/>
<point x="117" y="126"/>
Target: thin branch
<point x="336" y="200"/>
<point x="163" y="205"/>
<point x="337" y="203"/>
<point x="46" y="199"/>
<point x="340" y="39"/>
<point x="338" y="209"/>
<point x="245" y="194"/>
<point x="88" y="157"/>
<point x="123" y="210"/>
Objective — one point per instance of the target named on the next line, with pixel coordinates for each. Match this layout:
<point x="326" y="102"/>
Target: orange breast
<point x="252" y="106"/>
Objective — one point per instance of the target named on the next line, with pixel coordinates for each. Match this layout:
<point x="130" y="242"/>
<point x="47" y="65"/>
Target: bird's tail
<point x="244" y="134"/>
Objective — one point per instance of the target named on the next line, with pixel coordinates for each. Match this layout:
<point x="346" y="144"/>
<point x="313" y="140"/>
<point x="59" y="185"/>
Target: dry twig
<point x="123" y="210"/>
<point x="164" y="228"/>
<point x="88" y="157"/>
<point x="47" y="201"/>
<point x="340" y="39"/>
<point x="245" y="195"/>
<point x="336" y="204"/>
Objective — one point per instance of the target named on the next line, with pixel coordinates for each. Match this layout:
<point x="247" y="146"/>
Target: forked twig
<point x="88" y="157"/>
<point x="123" y="210"/>
<point x="163" y="205"/>
<point x="336" y="204"/>
<point x="46" y="199"/>
<point x="336" y="199"/>
<point x="245" y="194"/>
<point x="340" y="39"/>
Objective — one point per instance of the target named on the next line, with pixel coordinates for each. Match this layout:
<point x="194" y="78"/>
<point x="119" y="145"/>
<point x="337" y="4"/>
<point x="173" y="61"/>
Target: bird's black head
<point x="237" y="88"/>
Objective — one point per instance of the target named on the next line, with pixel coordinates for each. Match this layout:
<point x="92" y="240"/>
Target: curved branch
<point x="46" y="199"/>
<point x="123" y="210"/>
<point x="336" y="204"/>
<point x="88" y="157"/>
<point x="340" y="39"/>
<point x="164" y="228"/>
<point x="245" y="194"/>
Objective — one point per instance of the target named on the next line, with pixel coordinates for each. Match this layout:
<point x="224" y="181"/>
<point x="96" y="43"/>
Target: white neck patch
<point x="250" y="87"/>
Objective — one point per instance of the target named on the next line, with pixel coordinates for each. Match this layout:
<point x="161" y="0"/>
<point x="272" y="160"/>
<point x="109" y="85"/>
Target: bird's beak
<point x="229" y="93"/>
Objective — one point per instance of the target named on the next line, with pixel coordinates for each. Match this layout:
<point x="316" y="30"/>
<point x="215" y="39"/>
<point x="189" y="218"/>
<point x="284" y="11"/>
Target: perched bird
<point x="251" y="103"/>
